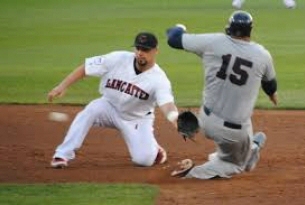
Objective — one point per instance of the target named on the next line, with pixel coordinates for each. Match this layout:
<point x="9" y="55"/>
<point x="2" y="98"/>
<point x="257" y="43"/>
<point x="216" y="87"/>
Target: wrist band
<point x="172" y="116"/>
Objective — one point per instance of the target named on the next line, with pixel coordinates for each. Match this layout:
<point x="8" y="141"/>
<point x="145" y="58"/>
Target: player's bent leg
<point x="143" y="154"/>
<point x="214" y="168"/>
<point x="150" y="157"/>
<point x="145" y="159"/>
<point x="141" y="143"/>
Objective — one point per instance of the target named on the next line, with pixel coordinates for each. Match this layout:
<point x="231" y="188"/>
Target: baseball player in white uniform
<point x="290" y="4"/>
<point x="132" y="85"/>
<point x="235" y="68"/>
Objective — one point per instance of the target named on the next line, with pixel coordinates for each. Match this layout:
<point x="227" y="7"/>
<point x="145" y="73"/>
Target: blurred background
<point x="42" y="41"/>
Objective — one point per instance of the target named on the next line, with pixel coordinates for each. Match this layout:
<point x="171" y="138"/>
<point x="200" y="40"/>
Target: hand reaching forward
<point x="273" y="98"/>
<point x="58" y="91"/>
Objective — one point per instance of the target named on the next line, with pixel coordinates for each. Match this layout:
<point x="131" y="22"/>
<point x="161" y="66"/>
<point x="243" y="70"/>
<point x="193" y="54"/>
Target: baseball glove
<point x="187" y="124"/>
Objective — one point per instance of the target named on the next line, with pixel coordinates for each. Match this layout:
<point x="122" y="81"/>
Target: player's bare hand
<point x="58" y="91"/>
<point x="273" y="98"/>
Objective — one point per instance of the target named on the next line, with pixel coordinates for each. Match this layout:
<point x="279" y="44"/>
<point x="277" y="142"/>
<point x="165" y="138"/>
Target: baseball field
<point x="43" y="41"/>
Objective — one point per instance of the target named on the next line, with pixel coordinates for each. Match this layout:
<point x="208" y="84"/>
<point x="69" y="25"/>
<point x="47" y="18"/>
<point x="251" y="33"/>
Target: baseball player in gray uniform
<point x="235" y="68"/>
<point x="132" y="85"/>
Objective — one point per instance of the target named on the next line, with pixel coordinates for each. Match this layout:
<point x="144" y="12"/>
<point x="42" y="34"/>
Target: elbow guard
<point x="269" y="87"/>
<point x="174" y="37"/>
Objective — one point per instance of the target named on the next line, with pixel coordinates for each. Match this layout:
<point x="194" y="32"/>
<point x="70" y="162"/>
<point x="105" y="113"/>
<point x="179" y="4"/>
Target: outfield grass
<point x="77" y="194"/>
<point x="42" y="41"/>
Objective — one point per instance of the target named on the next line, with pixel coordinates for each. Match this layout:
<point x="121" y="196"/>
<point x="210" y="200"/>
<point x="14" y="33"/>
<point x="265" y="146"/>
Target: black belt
<point x="231" y="125"/>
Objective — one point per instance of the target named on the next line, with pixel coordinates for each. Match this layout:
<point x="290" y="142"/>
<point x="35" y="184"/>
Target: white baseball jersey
<point x="233" y="73"/>
<point x="127" y="104"/>
<point x="133" y="96"/>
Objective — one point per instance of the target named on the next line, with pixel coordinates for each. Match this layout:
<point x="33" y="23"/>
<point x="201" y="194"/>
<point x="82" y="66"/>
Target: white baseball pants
<point x="137" y="134"/>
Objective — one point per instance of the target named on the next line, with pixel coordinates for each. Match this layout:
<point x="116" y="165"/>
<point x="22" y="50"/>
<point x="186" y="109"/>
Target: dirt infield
<point x="28" y="140"/>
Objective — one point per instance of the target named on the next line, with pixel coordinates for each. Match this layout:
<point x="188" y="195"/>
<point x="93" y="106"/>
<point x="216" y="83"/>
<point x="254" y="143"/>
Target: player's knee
<point x="145" y="160"/>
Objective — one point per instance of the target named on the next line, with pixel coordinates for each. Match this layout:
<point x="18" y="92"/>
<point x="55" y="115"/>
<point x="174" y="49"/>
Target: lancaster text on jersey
<point x="127" y="88"/>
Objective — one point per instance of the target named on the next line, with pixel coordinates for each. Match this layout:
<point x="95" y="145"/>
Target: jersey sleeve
<point x="96" y="66"/>
<point x="164" y="93"/>
<point x="269" y="73"/>
<point x="196" y="43"/>
<point x="99" y="65"/>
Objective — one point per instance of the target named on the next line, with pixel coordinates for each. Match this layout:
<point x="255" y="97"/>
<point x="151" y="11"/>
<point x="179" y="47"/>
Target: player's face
<point x="145" y="56"/>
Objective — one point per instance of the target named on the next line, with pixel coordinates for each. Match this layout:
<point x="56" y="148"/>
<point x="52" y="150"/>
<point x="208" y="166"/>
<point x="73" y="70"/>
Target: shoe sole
<point x="161" y="157"/>
<point x="185" y="167"/>
<point x="59" y="164"/>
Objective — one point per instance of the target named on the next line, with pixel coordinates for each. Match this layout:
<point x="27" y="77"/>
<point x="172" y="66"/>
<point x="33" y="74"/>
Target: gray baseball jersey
<point x="233" y="72"/>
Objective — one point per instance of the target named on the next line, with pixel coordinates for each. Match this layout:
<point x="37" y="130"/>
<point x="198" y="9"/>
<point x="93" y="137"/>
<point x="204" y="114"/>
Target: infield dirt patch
<point x="28" y="140"/>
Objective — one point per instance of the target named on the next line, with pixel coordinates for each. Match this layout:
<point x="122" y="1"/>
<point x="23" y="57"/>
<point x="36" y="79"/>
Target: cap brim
<point x="143" y="46"/>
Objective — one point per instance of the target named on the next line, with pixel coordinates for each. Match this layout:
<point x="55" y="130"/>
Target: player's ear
<point x="156" y="50"/>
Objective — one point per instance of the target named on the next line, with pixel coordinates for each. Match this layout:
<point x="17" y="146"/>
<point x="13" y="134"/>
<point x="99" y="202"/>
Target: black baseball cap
<point x="146" y="40"/>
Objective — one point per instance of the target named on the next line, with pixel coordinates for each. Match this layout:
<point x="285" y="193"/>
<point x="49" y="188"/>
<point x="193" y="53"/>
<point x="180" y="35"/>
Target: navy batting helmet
<point x="240" y="24"/>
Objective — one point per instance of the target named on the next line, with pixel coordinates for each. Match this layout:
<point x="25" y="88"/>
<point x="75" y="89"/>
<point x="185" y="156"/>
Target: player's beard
<point x="142" y="62"/>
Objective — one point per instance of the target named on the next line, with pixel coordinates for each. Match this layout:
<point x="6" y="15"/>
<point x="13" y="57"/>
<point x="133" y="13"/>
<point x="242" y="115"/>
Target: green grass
<point x="42" y="41"/>
<point x="77" y="194"/>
